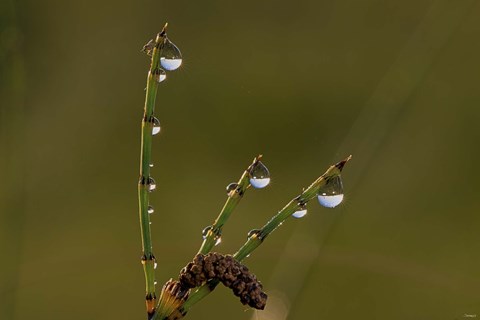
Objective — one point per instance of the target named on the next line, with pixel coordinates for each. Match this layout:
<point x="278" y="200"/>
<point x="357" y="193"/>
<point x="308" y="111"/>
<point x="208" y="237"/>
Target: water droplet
<point x="259" y="175"/>
<point x="232" y="186"/>
<point x="171" y="58"/>
<point x="152" y="185"/>
<point x="156" y="126"/>
<point x="300" y="213"/>
<point x="205" y="232"/>
<point x="150" y="210"/>
<point x="160" y="75"/>
<point x="155" y="264"/>
<point x="331" y="194"/>
<point x="150" y="222"/>
<point x="155" y="282"/>
<point x="151" y="165"/>
<point x="253" y="232"/>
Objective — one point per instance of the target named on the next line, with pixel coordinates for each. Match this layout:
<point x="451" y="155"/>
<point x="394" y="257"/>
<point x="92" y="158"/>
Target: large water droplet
<point x="155" y="126"/>
<point x="300" y="213"/>
<point x="150" y="210"/>
<point x="232" y="186"/>
<point x="259" y="175"/>
<point x="160" y="75"/>
<point x="331" y="194"/>
<point x="170" y="58"/>
<point x="151" y="184"/>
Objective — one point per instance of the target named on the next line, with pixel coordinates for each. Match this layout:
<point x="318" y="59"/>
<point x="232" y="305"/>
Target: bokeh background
<point x="305" y="83"/>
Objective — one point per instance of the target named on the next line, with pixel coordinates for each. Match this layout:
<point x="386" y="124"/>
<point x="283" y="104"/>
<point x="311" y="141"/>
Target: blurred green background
<point x="305" y="83"/>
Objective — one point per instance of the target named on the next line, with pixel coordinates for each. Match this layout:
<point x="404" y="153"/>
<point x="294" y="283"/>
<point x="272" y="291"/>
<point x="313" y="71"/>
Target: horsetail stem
<point x="148" y="259"/>
<point x="256" y="238"/>
<point x="234" y="197"/>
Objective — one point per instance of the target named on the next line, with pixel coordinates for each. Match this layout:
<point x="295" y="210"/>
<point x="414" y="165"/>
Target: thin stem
<point x="256" y="238"/>
<point x="148" y="259"/>
<point x="234" y="196"/>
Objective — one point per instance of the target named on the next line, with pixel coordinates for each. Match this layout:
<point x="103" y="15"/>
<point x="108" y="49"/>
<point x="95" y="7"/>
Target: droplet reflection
<point x="259" y="175"/>
<point x="331" y="194"/>
<point x="160" y="75"/>
<point x="156" y="126"/>
<point x="151" y="184"/>
<point x="300" y="213"/>
<point x="171" y="58"/>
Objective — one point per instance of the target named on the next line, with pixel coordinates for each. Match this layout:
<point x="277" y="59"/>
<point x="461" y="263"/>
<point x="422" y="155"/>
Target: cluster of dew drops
<point x="170" y="60"/>
<point x="329" y="195"/>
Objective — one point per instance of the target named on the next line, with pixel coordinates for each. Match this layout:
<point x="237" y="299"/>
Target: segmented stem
<point x="148" y="259"/>
<point x="256" y="238"/>
<point x="234" y="197"/>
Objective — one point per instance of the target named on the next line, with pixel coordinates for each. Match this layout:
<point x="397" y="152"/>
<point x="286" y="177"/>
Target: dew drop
<point x="205" y="232"/>
<point x="160" y="75"/>
<point x="155" y="264"/>
<point x="152" y="185"/>
<point x="151" y="165"/>
<point x="170" y="58"/>
<point x="253" y="232"/>
<point x="300" y="213"/>
<point x="232" y="186"/>
<point x="259" y="176"/>
<point x="331" y="194"/>
<point x="156" y="126"/>
<point x="155" y="282"/>
<point x="150" y="210"/>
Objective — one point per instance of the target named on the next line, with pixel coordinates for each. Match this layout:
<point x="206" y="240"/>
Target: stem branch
<point x="234" y="197"/>
<point x="148" y="259"/>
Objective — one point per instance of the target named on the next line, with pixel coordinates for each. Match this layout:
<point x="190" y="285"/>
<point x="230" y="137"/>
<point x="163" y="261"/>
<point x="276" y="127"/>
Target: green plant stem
<point x="257" y="238"/>
<point x="234" y="197"/>
<point x="148" y="259"/>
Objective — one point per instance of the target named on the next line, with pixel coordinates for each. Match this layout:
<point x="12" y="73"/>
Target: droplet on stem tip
<point x="259" y="175"/>
<point x="331" y="194"/>
<point x="171" y="57"/>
